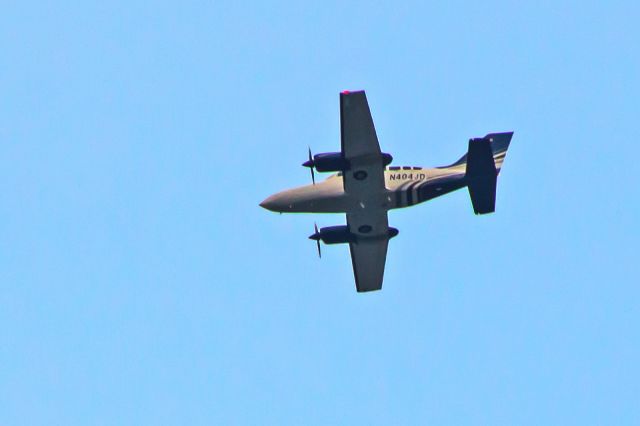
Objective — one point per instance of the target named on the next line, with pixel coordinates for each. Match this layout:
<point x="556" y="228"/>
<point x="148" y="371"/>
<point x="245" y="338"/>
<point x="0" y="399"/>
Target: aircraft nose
<point x="284" y="201"/>
<point x="270" y="203"/>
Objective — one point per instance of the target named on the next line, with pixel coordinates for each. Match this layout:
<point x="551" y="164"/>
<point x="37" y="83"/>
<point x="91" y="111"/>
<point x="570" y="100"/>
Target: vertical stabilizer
<point x="484" y="160"/>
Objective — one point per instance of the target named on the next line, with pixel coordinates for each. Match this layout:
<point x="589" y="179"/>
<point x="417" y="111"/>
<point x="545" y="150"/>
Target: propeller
<point x="311" y="165"/>
<point x="316" y="237"/>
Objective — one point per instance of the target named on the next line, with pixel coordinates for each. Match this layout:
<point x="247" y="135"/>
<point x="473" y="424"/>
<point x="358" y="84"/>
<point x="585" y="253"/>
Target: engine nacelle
<point x="330" y="162"/>
<point x="341" y="234"/>
<point x="335" y="235"/>
<point x="392" y="232"/>
<point x="335" y="162"/>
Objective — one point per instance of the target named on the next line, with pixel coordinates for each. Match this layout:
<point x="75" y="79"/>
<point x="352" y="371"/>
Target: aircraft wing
<point x="360" y="146"/>
<point x="369" y="253"/>
<point x="364" y="180"/>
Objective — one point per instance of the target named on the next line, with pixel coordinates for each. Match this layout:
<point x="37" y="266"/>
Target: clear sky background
<point x="142" y="284"/>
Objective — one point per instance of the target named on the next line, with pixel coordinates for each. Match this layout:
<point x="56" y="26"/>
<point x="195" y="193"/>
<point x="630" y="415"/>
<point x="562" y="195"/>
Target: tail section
<point x="499" y="145"/>
<point x="483" y="163"/>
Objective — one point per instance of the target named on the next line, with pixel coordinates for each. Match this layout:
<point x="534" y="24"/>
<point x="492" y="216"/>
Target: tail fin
<point x="484" y="160"/>
<point x="499" y="145"/>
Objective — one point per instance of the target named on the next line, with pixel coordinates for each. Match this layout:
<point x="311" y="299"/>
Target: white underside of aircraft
<point x="365" y="188"/>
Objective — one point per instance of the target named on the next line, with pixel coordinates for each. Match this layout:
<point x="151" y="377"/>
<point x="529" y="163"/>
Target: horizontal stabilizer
<point x="481" y="176"/>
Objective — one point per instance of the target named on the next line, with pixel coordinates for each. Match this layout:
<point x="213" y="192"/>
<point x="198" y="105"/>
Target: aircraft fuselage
<point x="404" y="187"/>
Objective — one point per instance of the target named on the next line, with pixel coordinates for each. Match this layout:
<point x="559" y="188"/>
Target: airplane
<point x="365" y="187"/>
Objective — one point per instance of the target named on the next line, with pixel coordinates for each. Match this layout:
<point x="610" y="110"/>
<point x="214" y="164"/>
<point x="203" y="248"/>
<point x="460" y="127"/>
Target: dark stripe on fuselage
<point x="422" y="185"/>
<point x="440" y="186"/>
<point x="410" y="193"/>
<point x="401" y="190"/>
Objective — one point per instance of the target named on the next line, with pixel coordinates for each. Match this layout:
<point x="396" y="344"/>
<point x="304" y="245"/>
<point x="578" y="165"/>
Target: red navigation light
<point x="345" y="92"/>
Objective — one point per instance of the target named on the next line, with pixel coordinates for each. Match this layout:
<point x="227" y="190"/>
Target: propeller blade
<point x="313" y="177"/>
<point x="309" y="162"/>
<point x="311" y="165"/>
<point x="316" y="236"/>
<point x="315" y="228"/>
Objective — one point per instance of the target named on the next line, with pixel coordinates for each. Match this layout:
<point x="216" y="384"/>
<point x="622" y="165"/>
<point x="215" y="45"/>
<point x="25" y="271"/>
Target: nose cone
<point x="292" y="200"/>
<point x="271" y="203"/>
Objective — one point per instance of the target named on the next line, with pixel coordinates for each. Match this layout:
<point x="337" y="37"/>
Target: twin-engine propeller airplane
<point x="366" y="189"/>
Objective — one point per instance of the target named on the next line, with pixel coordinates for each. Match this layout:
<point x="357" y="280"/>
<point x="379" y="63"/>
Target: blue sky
<point x="141" y="283"/>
